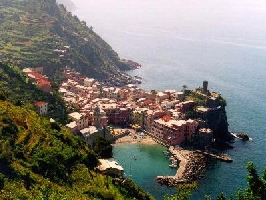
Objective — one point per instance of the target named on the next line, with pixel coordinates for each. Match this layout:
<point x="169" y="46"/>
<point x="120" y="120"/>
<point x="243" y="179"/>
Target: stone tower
<point x="205" y="86"/>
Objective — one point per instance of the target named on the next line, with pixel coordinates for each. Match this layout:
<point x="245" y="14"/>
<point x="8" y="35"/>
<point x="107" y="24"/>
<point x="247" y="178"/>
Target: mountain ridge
<point x="44" y="33"/>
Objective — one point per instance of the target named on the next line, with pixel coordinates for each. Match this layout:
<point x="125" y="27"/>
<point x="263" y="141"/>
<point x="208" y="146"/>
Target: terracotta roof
<point x="40" y="103"/>
<point x="166" y="118"/>
<point x="37" y="75"/>
<point x="43" y="82"/>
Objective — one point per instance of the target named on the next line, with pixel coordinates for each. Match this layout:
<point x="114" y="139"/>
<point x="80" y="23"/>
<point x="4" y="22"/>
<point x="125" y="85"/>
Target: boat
<point x="166" y="153"/>
<point x="134" y="157"/>
<point x="173" y="165"/>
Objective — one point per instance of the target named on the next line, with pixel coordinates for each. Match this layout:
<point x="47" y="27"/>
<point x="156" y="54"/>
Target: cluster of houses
<point x="99" y="107"/>
<point x="40" y="80"/>
<point x="160" y="114"/>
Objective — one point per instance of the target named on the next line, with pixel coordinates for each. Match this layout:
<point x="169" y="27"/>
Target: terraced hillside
<point x="42" y="33"/>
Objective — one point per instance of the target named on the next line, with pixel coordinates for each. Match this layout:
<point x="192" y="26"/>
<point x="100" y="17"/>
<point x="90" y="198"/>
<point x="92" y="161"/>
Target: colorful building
<point x="173" y="132"/>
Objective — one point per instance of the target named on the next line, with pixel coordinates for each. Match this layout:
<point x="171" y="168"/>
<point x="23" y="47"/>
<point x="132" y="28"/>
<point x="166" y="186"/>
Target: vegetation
<point x="42" y="33"/>
<point x="40" y="160"/>
<point x="16" y="88"/>
<point x="102" y="147"/>
<point x="184" y="191"/>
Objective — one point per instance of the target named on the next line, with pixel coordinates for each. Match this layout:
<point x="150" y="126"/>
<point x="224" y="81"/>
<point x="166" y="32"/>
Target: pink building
<point x="173" y="132"/>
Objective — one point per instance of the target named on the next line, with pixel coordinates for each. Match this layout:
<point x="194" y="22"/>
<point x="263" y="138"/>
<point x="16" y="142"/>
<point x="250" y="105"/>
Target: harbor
<point x="192" y="165"/>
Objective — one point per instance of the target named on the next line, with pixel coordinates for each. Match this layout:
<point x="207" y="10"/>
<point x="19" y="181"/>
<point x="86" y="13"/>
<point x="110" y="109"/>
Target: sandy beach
<point x="133" y="137"/>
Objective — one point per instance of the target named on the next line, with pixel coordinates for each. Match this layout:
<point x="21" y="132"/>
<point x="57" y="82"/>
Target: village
<point x="101" y="108"/>
<point x="113" y="112"/>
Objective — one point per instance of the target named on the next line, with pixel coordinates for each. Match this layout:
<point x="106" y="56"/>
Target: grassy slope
<point x="39" y="160"/>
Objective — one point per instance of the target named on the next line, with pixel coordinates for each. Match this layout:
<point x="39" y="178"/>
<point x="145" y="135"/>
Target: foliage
<point x="39" y="160"/>
<point x="102" y="147"/>
<point x="199" y="98"/>
<point x="184" y="192"/>
<point x="15" y="87"/>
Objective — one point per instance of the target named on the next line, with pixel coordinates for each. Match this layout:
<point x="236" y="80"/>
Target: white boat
<point x="173" y="165"/>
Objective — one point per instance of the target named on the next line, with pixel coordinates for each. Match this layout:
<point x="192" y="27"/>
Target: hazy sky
<point x="240" y="18"/>
<point x="68" y="3"/>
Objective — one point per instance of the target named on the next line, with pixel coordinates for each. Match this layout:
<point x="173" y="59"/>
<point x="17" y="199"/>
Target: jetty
<point x="221" y="157"/>
<point x="191" y="167"/>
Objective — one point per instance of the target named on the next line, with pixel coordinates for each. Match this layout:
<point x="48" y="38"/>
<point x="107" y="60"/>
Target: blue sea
<point x="183" y="42"/>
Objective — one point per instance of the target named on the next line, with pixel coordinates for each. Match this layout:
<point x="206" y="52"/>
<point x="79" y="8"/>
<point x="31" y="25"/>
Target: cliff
<point x="210" y="110"/>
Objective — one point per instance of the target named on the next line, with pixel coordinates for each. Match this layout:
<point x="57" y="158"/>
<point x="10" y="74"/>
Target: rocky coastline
<point x="192" y="166"/>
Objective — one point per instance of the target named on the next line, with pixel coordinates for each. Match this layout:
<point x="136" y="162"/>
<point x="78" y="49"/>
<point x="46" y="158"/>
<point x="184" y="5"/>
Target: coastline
<point x="134" y="138"/>
<point x="191" y="165"/>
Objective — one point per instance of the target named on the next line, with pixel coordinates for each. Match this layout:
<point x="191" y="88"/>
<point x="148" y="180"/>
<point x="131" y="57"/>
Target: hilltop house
<point x="41" y="107"/>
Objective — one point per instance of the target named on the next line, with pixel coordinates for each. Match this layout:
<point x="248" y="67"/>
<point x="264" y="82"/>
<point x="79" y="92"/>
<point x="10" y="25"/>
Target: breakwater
<point x="192" y="165"/>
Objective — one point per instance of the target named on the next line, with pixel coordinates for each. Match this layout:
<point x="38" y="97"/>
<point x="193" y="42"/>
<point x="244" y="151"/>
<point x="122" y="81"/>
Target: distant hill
<point x="69" y="4"/>
<point x="38" y="33"/>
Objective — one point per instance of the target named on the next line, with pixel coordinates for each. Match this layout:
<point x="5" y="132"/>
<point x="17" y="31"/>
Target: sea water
<point x="180" y="42"/>
<point x="142" y="163"/>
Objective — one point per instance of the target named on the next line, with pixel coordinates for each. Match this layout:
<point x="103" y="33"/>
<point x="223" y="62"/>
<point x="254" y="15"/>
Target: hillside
<point x="18" y="89"/>
<point x="42" y="33"/>
<point x="41" y="160"/>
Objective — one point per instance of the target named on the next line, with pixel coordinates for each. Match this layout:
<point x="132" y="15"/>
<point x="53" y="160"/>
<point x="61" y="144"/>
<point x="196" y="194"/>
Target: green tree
<point x="184" y="191"/>
<point x="102" y="147"/>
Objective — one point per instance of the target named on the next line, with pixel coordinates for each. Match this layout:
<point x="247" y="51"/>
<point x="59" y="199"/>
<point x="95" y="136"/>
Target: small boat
<point x="166" y="153"/>
<point x="134" y="157"/>
<point x="173" y="165"/>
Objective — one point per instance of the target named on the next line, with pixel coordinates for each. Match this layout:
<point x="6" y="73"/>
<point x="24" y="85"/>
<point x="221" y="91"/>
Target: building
<point x="184" y="106"/>
<point x="41" y="107"/>
<point x="89" y="134"/>
<point x="110" y="167"/>
<point x="88" y="82"/>
<point x="40" y="80"/>
<point x="80" y="119"/>
<point x="173" y="132"/>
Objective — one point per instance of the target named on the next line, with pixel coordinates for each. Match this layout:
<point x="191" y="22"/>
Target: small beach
<point x="134" y="137"/>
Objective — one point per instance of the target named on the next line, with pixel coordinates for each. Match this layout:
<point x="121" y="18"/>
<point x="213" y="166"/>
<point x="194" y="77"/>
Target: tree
<point x="184" y="87"/>
<point x="184" y="192"/>
<point x="103" y="147"/>
<point x="256" y="184"/>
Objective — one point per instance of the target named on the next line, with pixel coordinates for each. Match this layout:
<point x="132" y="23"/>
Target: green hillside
<point x="40" y="160"/>
<point x="42" y="33"/>
<point x="44" y="160"/>
<point x="18" y="89"/>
